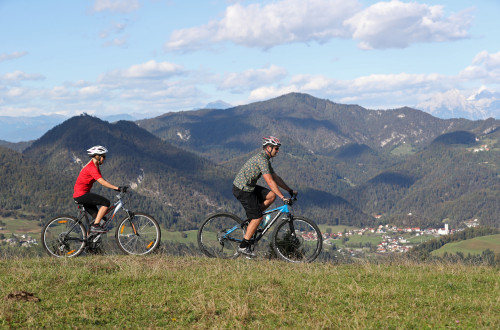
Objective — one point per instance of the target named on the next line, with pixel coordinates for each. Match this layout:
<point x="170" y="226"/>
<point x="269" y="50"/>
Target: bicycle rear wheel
<point x="220" y="235"/>
<point x="64" y="237"/>
<point x="140" y="235"/>
<point x="297" y="240"/>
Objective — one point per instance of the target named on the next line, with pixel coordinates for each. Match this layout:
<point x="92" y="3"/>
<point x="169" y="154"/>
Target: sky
<point x="144" y="57"/>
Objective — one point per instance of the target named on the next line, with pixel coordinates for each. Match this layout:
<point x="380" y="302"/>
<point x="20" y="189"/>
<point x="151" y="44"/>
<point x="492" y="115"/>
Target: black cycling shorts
<point x="251" y="201"/>
<point x="90" y="202"/>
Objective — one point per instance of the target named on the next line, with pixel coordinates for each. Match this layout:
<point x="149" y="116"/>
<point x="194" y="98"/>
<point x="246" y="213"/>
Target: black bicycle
<point x="295" y="238"/>
<point x="66" y="236"/>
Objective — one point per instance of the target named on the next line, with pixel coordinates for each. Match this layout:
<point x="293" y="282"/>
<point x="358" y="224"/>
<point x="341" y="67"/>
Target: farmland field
<point x="472" y="246"/>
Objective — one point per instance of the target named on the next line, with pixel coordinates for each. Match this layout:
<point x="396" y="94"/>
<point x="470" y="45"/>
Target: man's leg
<point x="252" y="228"/>
<point x="270" y="198"/>
<point x="267" y="198"/>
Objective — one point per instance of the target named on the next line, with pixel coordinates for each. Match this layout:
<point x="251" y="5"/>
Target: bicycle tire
<point x="139" y="236"/>
<point x="212" y="240"/>
<point x="302" y="245"/>
<point x="56" y="240"/>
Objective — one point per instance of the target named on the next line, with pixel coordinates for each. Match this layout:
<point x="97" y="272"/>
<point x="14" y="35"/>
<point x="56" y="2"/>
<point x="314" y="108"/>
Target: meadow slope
<point x="190" y="292"/>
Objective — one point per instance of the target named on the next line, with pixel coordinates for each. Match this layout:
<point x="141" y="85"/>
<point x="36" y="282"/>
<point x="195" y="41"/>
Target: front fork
<point x="131" y="216"/>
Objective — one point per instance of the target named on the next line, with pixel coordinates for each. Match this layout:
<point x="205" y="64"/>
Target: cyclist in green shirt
<point x="253" y="197"/>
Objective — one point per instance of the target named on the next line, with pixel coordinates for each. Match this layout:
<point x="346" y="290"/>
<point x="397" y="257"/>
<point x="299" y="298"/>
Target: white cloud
<point x="485" y="67"/>
<point x="387" y="82"/>
<point x="282" y="22"/>
<point x="383" y="25"/>
<point x="397" y="24"/>
<point x="19" y="76"/>
<point x="249" y="79"/>
<point x="11" y="56"/>
<point x="144" y="71"/>
<point x="264" y="93"/>
<point x="15" y="92"/>
<point x="313" y="83"/>
<point x="118" y="42"/>
<point x="118" y="6"/>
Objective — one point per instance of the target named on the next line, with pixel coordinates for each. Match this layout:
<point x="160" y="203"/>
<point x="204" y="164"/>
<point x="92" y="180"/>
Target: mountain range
<point x="351" y="165"/>
<point x="14" y="129"/>
<point x="479" y="104"/>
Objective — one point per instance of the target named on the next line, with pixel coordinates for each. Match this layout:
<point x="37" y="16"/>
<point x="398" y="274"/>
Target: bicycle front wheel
<point x="297" y="240"/>
<point x="220" y="235"/>
<point x="64" y="237"/>
<point x="139" y="235"/>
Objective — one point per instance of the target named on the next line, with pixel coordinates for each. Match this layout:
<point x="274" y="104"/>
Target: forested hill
<point x="320" y="126"/>
<point x="351" y="166"/>
<point x="175" y="185"/>
<point x="30" y="188"/>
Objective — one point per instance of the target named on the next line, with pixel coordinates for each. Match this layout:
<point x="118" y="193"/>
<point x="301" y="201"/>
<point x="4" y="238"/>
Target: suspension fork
<point x="131" y="216"/>
<point x="290" y="224"/>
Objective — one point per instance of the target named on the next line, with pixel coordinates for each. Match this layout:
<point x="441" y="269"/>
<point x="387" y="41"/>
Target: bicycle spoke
<point x="63" y="237"/>
<point x="298" y="240"/>
<point x="220" y="236"/>
<point x="141" y="235"/>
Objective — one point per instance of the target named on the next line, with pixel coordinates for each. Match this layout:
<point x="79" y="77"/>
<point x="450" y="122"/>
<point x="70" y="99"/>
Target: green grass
<point x="404" y="149"/>
<point x="363" y="239"/>
<point x="175" y="292"/>
<point x="178" y="236"/>
<point x="473" y="246"/>
<point x="336" y="229"/>
<point x="19" y="226"/>
<point x="420" y="239"/>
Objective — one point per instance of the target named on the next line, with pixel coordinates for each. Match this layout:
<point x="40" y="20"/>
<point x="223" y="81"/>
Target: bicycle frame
<point x="285" y="209"/>
<point x="117" y="206"/>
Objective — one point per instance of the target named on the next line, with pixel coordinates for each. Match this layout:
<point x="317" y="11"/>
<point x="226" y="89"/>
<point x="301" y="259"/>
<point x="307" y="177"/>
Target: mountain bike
<point x="295" y="238"/>
<point x="66" y="236"/>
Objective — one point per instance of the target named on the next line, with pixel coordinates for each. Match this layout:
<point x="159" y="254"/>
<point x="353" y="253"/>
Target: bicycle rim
<point x="64" y="237"/>
<point x="220" y="235"/>
<point x="139" y="236"/>
<point x="298" y="240"/>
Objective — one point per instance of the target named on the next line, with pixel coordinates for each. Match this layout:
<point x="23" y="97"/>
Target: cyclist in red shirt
<point x="89" y="174"/>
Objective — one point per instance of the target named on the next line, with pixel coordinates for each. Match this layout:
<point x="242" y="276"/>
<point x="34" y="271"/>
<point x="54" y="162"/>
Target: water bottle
<point x="265" y="221"/>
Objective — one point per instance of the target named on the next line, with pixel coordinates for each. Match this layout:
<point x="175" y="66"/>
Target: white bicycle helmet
<point x="97" y="150"/>
<point x="271" y="140"/>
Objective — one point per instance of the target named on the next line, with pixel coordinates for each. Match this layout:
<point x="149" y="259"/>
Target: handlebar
<point x="290" y="200"/>
<point x="121" y="191"/>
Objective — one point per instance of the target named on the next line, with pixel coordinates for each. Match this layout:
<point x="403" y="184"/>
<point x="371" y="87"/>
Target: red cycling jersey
<point x="88" y="175"/>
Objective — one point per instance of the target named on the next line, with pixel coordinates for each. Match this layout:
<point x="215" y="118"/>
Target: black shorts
<point x="90" y="202"/>
<point x="252" y="201"/>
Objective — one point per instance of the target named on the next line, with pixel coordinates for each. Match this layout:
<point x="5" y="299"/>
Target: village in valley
<point x="391" y="239"/>
<point x="22" y="240"/>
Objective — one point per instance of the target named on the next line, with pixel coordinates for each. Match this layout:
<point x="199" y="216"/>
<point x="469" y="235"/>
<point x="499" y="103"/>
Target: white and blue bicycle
<point x="66" y="236"/>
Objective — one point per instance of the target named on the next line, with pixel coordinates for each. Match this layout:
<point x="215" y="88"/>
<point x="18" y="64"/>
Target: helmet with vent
<point x="97" y="150"/>
<point x="271" y="140"/>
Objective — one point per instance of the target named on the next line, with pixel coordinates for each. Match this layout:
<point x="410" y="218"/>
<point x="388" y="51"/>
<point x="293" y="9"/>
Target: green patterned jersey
<point x="254" y="168"/>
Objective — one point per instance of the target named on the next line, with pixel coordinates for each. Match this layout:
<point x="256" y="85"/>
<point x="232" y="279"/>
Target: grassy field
<point x="335" y="229"/>
<point x="188" y="292"/>
<point x="473" y="246"/>
<point x="187" y="237"/>
<point x="20" y="226"/>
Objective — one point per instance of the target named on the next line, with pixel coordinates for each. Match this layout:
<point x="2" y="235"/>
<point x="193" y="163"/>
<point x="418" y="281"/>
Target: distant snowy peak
<point x="484" y="93"/>
<point x="218" y="105"/>
<point x="480" y="104"/>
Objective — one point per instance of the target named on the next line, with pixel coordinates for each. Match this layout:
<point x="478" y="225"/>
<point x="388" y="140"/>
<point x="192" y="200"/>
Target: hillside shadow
<point x="320" y="198"/>
<point x="393" y="178"/>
